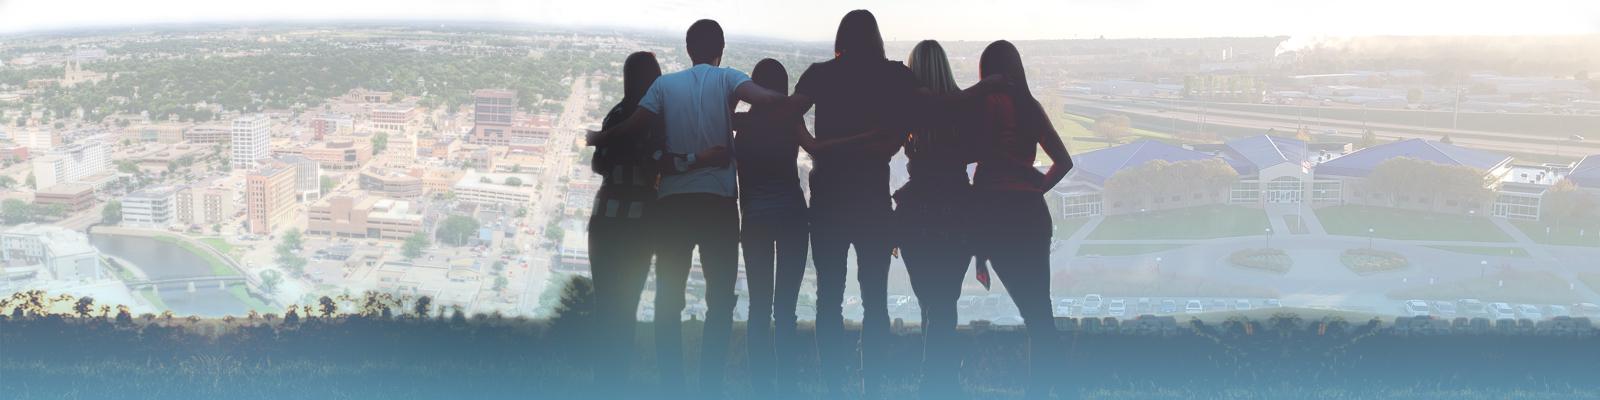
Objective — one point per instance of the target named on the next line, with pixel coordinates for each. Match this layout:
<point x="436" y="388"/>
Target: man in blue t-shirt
<point x="697" y="200"/>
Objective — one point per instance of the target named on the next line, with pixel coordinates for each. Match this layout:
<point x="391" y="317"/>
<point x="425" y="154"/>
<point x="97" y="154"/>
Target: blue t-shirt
<point x="696" y="108"/>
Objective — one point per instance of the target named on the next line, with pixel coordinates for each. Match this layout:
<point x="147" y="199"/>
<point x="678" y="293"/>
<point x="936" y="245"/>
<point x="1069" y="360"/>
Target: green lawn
<point x="1065" y="227"/>
<point x="1125" y="249"/>
<point x="1203" y="222"/>
<point x="154" y="299"/>
<point x="1484" y="250"/>
<point x="1390" y="223"/>
<point x="218" y="243"/>
<point x="1567" y="233"/>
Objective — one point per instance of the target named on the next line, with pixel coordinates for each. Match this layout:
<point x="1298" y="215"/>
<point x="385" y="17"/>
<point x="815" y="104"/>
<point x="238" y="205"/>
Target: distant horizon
<point x="936" y="19"/>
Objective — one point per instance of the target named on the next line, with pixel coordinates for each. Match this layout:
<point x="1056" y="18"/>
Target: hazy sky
<point x="901" y="19"/>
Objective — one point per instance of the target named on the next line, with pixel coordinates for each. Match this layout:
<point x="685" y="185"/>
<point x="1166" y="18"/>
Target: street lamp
<point x="1268" y="235"/>
<point x="1158" y="266"/>
<point x="1370" y="231"/>
<point x="1483" y="269"/>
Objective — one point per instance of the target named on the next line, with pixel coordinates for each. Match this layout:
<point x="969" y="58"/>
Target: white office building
<point x="150" y="208"/>
<point x="251" y="140"/>
<point x="64" y="253"/>
<point x="71" y="163"/>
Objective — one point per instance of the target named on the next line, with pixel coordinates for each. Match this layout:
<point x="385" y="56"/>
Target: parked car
<point x="1498" y="311"/>
<point x="966" y="301"/>
<point x="1558" y="311"/>
<point x="1091" y="304"/>
<point x="1586" y="310"/>
<point x="1169" y="306"/>
<point x="1417" y="308"/>
<point x="1194" y="307"/>
<point x="1145" y="307"/>
<point x="1471" y="307"/>
<point x="1529" y="311"/>
<point x="1064" y="306"/>
<point x="1445" y="308"/>
<point x="1273" y="303"/>
<point x="1008" y="320"/>
<point x="1242" y="305"/>
<point x="1118" y="308"/>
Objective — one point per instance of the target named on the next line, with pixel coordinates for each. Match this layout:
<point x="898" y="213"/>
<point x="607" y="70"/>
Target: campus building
<point x="1282" y="170"/>
<point x="307" y="176"/>
<point x="340" y="154"/>
<point x="491" y="189"/>
<point x="208" y="134"/>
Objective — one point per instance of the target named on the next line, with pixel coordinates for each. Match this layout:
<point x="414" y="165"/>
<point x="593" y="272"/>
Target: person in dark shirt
<point x="774" y="229"/>
<point x="619" y="242"/>
<point x="858" y="91"/>
<point x="1014" y="228"/>
<point x="931" y="214"/>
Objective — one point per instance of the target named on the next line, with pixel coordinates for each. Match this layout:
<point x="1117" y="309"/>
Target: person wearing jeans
<point x="696" y="207"/>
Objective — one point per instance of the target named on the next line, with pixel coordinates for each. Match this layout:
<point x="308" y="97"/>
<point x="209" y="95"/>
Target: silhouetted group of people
<point x="682" y="170"/>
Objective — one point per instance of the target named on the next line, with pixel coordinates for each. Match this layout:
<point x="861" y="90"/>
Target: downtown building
<point x="251" y="141"/>
<point x="359" y="215"/>
<point x="269" y="197"/>
<point x="208" y="203"/>
<point x="151" y="208"/>
<point x="73" y="163"/>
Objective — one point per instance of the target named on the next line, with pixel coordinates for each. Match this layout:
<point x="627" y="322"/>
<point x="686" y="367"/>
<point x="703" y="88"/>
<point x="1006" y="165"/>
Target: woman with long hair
<point x="774" y="234"/>
<point x="931" y="214"/>
<point x="1014" y="225"/>
<point x="619" y="245"/>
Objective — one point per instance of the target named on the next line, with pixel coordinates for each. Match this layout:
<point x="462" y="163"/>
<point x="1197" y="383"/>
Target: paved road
<point x="547" y="202"/>
<point x="1189" y="117"/>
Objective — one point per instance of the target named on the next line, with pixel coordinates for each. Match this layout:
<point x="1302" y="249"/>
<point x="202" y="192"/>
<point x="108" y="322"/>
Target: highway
<point x="1166" y="115"/>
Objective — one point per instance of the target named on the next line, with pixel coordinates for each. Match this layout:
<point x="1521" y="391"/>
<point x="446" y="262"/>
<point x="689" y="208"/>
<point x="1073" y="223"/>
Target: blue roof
<point x="1252" y="154"/>
<point x="1361" y="162"/>
<point x="1587" y="172"/>
<point x="1096" y="166"/>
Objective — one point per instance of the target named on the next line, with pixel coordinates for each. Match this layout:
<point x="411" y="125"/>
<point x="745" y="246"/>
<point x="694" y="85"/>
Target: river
<point x="162" y="260"/>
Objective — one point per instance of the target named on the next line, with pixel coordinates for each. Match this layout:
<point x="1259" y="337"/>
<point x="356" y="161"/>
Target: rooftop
<point x="1362" y="162"/>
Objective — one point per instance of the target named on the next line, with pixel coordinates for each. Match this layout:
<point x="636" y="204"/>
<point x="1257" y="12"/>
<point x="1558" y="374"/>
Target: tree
<point x="414" y="246"/>
<point x="513" y="181"/>
<point x="1113" y="127"/>
<point x="33" y="183"/>
<point x="127" y="166"/>
<point x="16" y="211"/>
<point x="327" y="184"/>
<point x="1426" y="181"/>
<point x="1446" y="140"/>
<point x="293" y="239"/>
<point x="380" y="141"/>
<point x="6" y="182"/>
<point x="456" y="230"/>
<point x="1565" y="201"/>
<point x="1368" y="139"/>
<point x="112" y="213"/>
<point x="288" y="250"/>
<point x="500" y="283"/>
<point x="270" y="279"/>
<point x="1162" y="179"/>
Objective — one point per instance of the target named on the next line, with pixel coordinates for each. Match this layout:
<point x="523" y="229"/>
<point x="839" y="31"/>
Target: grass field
<point x="1203" y="222"/>
<point x="1125" y="249"/>
<point x="1484" y="250"/>
<point x="1398" y="224"/>
<point x="220" y="244"/>
<point x="1569" y="233"/>
<point x="1065" y="227"/>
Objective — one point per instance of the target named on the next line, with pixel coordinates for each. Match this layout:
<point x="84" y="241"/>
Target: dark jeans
<point x="775" y="249"/>
<point x="1015" y="236"/>
<point x="619" y="260"/>
<point x="936" y="257"/>
<point x="711" y="223"/>
<point x="832" y="236"/>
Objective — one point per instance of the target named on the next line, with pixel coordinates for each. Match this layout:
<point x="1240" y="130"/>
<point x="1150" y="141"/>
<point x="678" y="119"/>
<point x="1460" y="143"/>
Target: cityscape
<point x="221" y="172"/>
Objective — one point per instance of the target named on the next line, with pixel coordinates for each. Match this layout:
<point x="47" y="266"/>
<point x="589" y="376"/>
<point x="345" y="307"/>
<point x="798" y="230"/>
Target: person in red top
<point x="1013" y="223"/>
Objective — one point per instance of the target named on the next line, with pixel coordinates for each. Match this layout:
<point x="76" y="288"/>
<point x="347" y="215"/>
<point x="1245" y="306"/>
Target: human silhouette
<point x="932" y="211"/>
<point x="620" y="245"/>
<point x="857" y="91"/>
<point x="1013" y="228"/>
<point x="775" y="233"/>
<point x="697" y="200"/>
